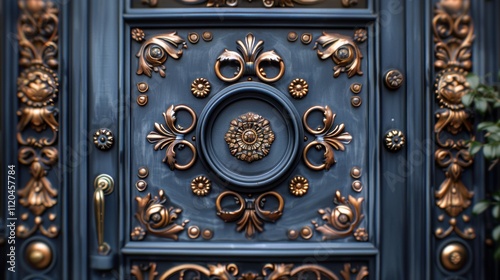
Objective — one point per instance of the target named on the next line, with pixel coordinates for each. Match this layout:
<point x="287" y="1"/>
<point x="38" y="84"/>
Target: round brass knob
<point x="454" y="256"/>
<point x="394" y="79"/>
<point x="38" y="255"/>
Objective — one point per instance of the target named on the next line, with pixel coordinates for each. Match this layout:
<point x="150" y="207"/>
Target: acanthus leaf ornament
<point x="453" y="36"/>
<point x="37" y="90"/>
<point x="325" y="137"/>
<point x="249" y="61"/>
<point x="157" y="218"/>
<point x="341" y="220"/>
<point x="250" y="215"/>
<point x="155" y="51"/>
<point x="171" y="136"/>
<point x="343" y="51"/>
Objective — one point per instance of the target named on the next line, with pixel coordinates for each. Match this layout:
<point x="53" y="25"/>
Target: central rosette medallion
<point x="249" y="137"/>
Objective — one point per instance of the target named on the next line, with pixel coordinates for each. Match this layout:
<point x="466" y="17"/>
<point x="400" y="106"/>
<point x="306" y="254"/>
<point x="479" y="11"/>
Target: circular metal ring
<point x="323" y="130"/>
<point x="226" y="79"/>
<point x="193" y="158"/>
<point x="269" y="80"/>
<point x="174" y="109"/>
<point x="306" y="160"/>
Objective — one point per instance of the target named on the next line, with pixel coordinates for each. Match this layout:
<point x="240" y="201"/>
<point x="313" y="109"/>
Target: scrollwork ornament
<point x="341" y="220"/>
<point x="155" y="51"/>
<point x="171" y="136"/>
<point x="326" y="138"/>
<point x="157" y="218"/>
<point x="343" y="51"/>
<point x="249" y="61"/>
<point x="250" y="215"/>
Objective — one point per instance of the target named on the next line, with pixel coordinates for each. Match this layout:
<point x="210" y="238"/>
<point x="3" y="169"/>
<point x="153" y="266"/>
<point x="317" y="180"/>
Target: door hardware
<point x="104" y="139"/>
<point x="103" y="185"/>
<point x="393" y="79"/>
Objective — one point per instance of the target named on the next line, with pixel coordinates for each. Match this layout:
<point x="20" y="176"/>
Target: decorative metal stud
<point x="39" y="255"/>
<point x="394" y="140"/>
<point x="357" y="186"/>
<point x="201" y="186"/>
<point x="361" y="235"/>
<point x="143" y="172"/>
<point x="292" y="36"/>
<point x="356" y="88"/>
<point x="393" y="79"/>
<point x="141" y="185"/>
<point x="292" y="234"/>
<point x="200" y="87"/>
<point x="207" y="36"/>
<point x="103" y="139"/>
<point x="193" y="37"/>
<point x="137" y="34"/>
<point x="142" y="100"/>
<point x="207" y="234"/>
<point x="360" y="35"/>
<point x="298" y="88"/>
<point x="138" y="234"/>
<point x="454" y="256"/>
<point x="306" y="38"/>
<point x="306" y="232"/>
<point x="193" y="232"/>
<point x="142" y="87"/>
<point x="356" y="101"/>
<point x="299" y="186"/>
<point x="356" y="172"/>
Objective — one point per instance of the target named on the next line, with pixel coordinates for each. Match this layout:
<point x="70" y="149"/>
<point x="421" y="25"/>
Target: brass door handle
<point x="103" y="185"/>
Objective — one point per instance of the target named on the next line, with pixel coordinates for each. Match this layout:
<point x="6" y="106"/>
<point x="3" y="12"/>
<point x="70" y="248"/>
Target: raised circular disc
<point x="284" y="153"/>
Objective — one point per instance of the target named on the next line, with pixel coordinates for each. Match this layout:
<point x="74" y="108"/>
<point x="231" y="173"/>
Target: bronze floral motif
<point x="138" y="34"/>
<point x="155" y="51"/>
<point x="249" y="61"/>
<point x="201" y="186"/>
<point x="299" y="186"/>
<point x="156" y="218"/>
<point x="344" y="52"/>
<point x="360" y="35"/>
<point x="325" y="137"/>
<point x="200" y="87"/>
<point x="250" y="215"/>
<point x="249" y="137"/>
<point x="172" y="136"/>
<point x="298" y="88"/>
<point x="341" y="220"/>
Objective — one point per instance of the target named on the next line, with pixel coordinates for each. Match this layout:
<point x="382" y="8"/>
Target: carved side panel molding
<point x="453" y="36"/>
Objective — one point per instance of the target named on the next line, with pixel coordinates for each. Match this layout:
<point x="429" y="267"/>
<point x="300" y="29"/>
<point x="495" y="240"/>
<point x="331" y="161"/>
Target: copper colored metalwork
<point x="306" y="232"/>
<point x="325" y="137"/>
<point x="298" y="88"/>
<point x="250" y="216"/>
<point x="200" y="87"/>
<point x="207" y="36"/>
<point x="357" y="186"/>
<point x="207" y="234"/>
<point x="394" y="140"/>
<point x="193" y="232"/>
<point x="104" y="139"/>
<point x="193" y="37"/>
<point x="356" y="172"/>
<point x="201" y="186"/>
<point x="249" y="61"/>
<point x="142" y="87"/>
<point x="341" y="220"/>
<point x="142" y="100"/>
<point x="292" y="36"/>
<point x="155" y="51"/>
<point x="393" y="79"/>
<point x="343" y="51"/>
<point x="298" y="186"/>
<point x="306" y="38"/>
<point x="157" y="217"/>
<point x="454" y="256"/>
<point x="356" y="88"/>
<point x="171" y="136"/>
<point x="356" y="101"/>
<point x="143" y="172"/>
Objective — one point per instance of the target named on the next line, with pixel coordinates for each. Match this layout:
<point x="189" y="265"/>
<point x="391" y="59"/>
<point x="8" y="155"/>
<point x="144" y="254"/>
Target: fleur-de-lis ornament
<point x="249" y="61"/>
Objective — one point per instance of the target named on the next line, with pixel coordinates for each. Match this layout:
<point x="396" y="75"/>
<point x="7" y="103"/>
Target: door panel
<point x="238" y="140"/>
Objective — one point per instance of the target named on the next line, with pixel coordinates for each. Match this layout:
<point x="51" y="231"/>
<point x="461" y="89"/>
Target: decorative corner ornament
<point x="325" y="137"/>
<point x="342" y="220"/>
<point x="343" y="51"/>
<point x="156" y="218"/>
<point x="155" y="51"/>
<point x="249" y="61"/>
<point x="171" y="136"/>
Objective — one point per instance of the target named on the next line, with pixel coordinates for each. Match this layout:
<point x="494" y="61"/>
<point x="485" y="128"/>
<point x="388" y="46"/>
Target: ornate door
<point x="235" y="139"/>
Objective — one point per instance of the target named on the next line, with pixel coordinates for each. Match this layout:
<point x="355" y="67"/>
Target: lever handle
<point x="103" y="185"/>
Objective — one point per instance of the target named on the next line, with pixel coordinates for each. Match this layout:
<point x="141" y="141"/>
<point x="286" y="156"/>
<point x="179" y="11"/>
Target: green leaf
<point x="473" y="80"/>
<point x="496" y="197"/>
<point x="497" y="104"/>
<point x="467" y="99"/>
<point x="495" y="211"/>
<point x="488" y="151"/>
<point x="497" y="254"/>
<point x="481" y="105"/>
<point x="496" y="233"/>
<point x="480" y="207"/>
<point x="475" y="147"/>
<point x="485" y="125"/>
